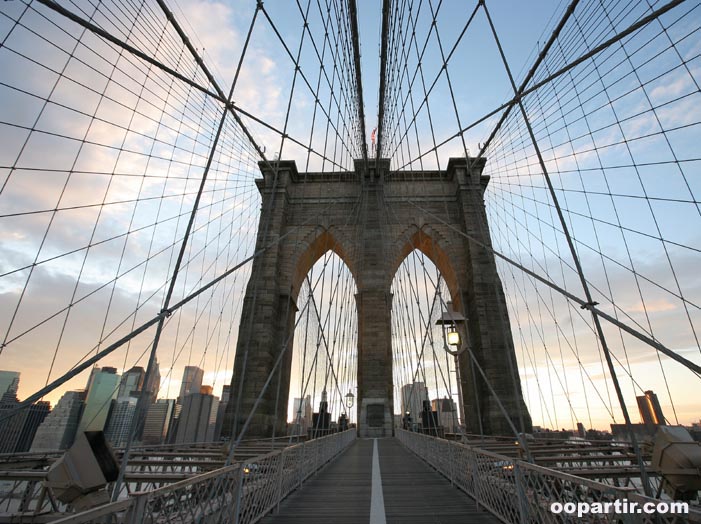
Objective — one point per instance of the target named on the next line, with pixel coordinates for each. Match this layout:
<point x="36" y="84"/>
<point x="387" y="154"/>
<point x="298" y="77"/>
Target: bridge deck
<point x="412" y="492"/>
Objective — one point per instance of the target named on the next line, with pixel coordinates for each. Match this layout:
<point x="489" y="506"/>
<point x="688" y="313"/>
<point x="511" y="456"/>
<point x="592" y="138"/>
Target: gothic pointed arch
<point x="430" y="243"/>
<point x="311" y="249"/>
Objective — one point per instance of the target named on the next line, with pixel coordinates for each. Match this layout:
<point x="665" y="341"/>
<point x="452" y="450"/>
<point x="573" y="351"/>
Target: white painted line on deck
<point x="377" y="501"/>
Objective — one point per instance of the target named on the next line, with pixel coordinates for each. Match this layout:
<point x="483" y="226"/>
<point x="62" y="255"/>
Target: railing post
<point x="300" y="466"/>
<point x="239" y="496"/>
<point x="137" y="512"/>
<point x="451" y="463"/>
<point x="280" y="473"/>
<point x="521" y="493"/>
<point x="476" y="493"/>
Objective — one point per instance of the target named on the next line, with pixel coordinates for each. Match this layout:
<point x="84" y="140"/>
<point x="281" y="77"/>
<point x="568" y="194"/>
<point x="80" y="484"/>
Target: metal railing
<point x="24" y="494"/>
<point x="519" y="492"/>
<point x="237" y="494"/>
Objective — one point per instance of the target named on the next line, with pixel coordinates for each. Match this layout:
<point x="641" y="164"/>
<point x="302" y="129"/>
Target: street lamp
<point x="450" y="319"/>
<point x="453" y="336"/>
<point x="350" y="399"/>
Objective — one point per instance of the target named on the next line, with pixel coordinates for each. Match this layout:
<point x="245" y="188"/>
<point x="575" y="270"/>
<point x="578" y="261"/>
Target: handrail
<point x="235" y="494"/>
<point x="516" y="491"/>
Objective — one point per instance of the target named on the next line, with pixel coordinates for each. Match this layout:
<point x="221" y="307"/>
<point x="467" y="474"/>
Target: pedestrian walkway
<point x="395" y="487"/>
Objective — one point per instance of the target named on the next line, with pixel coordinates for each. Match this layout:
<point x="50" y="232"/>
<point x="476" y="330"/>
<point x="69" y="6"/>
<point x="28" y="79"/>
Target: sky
<point x="641" y="273"/>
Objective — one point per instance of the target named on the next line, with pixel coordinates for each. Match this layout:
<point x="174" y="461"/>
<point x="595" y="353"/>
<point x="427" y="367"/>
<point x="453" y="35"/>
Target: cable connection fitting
<point x="589" y="305"/>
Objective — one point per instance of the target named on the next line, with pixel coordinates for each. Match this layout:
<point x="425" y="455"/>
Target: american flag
<point x="372" y="137"/>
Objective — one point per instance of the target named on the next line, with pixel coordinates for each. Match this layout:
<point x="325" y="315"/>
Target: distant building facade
<point x="153" y="385"/>
<point x="120" y="419"/>
<point x="413" y="397"/>
<point x="225" y="393"/>
<point x="197" y="421"/>
<point x="9" y="381"/>
<point x="158" y="421"/>
<point x="447" y="413"/>
<point x="301" y="415"/>
<point x="17" y="432"/>
<point x="132" y="382"/>
<point x="650" y="409"/>
<point x="104" y="385"/>
<point x="58" y="430"/>
<point x="192" y="381"/>
<point x="221" y="410"/>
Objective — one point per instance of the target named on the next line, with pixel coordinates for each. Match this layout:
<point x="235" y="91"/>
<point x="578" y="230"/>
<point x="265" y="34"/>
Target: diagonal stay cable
<point x="165" y="313"/>
<point x="581" y="302"/>
<point x="571" y="65"/>
<point x="217" y="94"/>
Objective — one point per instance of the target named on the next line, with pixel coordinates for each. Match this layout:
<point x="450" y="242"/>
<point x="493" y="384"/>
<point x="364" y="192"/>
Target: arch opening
<point x="424" y="243"/>
<point x="324" y="242"/>
<point x="325" y="354"/>
<point x="423" y="371"/>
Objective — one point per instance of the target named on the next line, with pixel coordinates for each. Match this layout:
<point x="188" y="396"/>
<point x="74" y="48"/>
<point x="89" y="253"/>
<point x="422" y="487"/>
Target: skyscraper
<point x="192" y="381"/>
<point x="301" y="415"/>
<point x="17" y="432"/>
<point x="447" y="413"/>
<point x="158" y="419"/>
<point x="119" y="423"/>
<point x="221" y="410"/>
<point x="198" y="417"/>
<point x="650" y="409"/>
<point x="9" y="381"/>
<point x="413" y="396"/>
<point x="225" y="393"/>
<point x="154" y="383"/>
<point x="35" y="415"/>
<point x="103" y="388"/>
<point x="132" y="382"/>
<point x="58" y="430"/>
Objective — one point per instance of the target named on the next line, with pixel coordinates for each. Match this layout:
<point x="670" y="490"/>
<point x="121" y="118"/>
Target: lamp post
<point x="350" y="399"/>
<point x="451" y="319"/>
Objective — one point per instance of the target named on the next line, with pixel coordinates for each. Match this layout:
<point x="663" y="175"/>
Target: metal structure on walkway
<point x="498" y="268"/>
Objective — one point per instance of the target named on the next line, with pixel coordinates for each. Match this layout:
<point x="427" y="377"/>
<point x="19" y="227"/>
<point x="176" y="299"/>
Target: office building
<point x="17" y="432"/>
<point x="93" y="372"/>
<point x="301" y="415"/>
<point x="35" y="415"/>
<point x="173" y="429"/>
<point x="413" y="396"/>
<point x="154" y="383"/>
<point x="58" y="430"/>
<point x="650" y="409"/>
<point x="131" y="383"/>
<point x="9" y="381"/>
<point x="221" y="411"/>
<point x="225" y="393"/>
<point x="447" y="413"/>
<point x="103" y="384"/>
<point x="321" y="421"/>
<point x="158" y="420"/>
<point x="198" y="418"/>
<point x="192" y="381"/>
<point x="120" y="420"/>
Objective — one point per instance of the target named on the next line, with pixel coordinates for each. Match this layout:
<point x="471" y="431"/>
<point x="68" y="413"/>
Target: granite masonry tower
<point x="372" y="218"/>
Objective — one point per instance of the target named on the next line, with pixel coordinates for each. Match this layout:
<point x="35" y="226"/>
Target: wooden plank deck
<point x="412" y="492"/>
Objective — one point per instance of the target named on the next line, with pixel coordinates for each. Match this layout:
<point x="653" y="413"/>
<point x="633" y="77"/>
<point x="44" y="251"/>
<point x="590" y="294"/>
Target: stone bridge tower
<point x="373" y="218"/>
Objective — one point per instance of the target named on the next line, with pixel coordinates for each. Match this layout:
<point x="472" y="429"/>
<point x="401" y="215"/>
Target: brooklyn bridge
<point x="332" y="261"/>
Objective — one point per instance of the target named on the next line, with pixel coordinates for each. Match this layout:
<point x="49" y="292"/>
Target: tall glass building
<point x="103" y="388"/>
